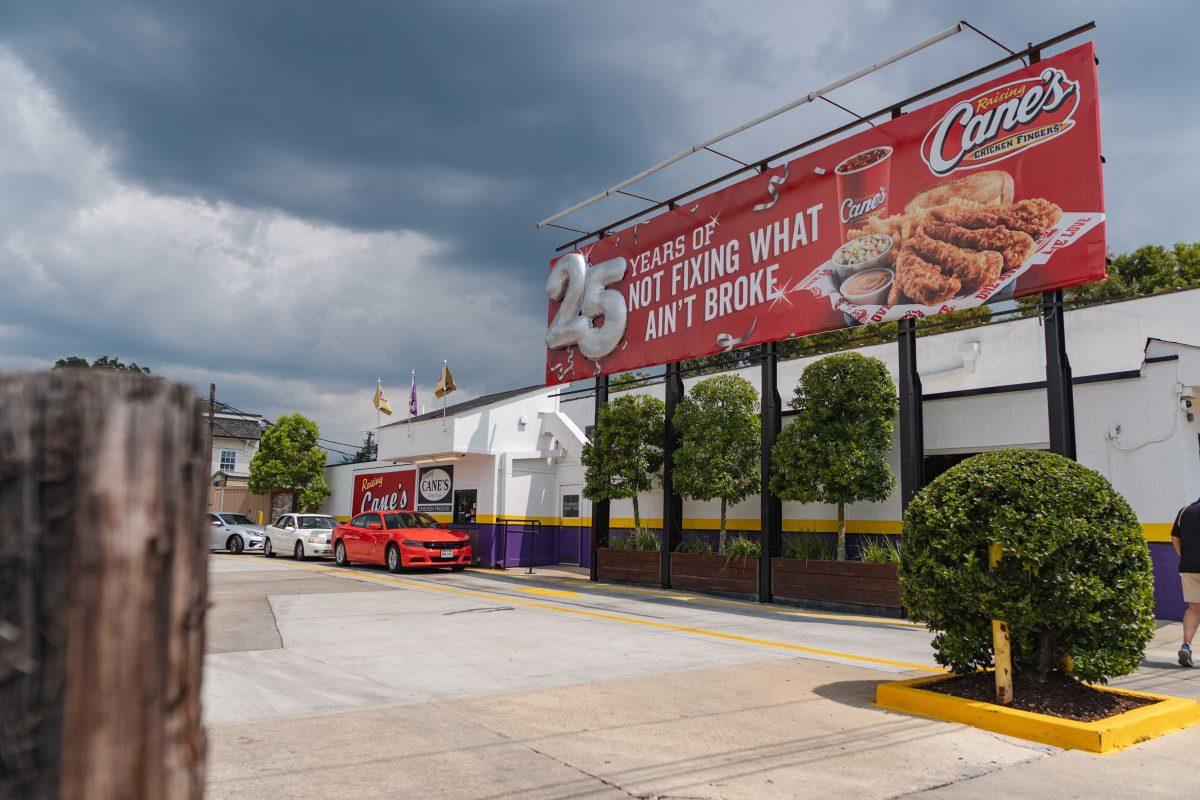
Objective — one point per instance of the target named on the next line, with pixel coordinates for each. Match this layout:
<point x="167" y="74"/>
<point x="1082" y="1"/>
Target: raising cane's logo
<point x="1002" y="122"/>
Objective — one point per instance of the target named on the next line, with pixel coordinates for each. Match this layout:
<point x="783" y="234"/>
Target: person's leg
<point x="1190" y="582"/>
<point x="1191" y="621"/>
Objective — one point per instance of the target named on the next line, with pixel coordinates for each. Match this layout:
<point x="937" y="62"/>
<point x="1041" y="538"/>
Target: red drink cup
<point x="864" y="181"/>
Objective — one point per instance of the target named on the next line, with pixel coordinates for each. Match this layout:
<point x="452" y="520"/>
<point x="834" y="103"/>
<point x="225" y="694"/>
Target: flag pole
<point x="378" y="387"/>
<point x="445" y="366"/>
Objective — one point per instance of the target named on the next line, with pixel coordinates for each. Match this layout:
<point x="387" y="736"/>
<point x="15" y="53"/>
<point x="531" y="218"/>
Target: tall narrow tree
<point x="835" y="449"/>
<point x="720" y="439"/>
<point x="624" y="456"/>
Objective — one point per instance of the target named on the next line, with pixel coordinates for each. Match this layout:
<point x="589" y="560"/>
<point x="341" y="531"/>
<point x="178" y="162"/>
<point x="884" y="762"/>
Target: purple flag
<point x="412" y="396"/>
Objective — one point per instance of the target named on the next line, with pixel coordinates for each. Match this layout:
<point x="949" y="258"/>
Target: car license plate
<point x="447" y="554"/>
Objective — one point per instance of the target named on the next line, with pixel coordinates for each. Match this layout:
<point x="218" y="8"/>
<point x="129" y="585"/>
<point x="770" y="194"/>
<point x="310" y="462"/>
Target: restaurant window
<point x="465" y="505"/>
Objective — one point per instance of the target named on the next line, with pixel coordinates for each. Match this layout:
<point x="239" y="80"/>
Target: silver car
<point x="236" y="533"/>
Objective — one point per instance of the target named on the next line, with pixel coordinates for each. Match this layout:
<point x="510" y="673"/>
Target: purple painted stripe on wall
<point x="1168" y="593"/>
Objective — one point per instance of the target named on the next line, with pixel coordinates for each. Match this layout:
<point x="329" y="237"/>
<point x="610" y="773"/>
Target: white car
<point x="302" y="535"/>
<point x="236" y="533"/>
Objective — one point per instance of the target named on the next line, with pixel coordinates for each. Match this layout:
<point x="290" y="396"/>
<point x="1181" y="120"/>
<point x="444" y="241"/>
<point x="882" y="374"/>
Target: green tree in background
<point x="289" y="460"/>
<point x="629" y="379"/>
<point x="103" y="362"/>
<point x="1147" y="270"/>
<point x="366" y="452"/>
<point x="625" y="454"/>
<point x="719" y="443"/>
<point x="836" y="448"/>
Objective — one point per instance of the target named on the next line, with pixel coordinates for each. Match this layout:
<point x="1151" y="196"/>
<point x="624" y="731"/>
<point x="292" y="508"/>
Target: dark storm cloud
<point x="461" y="120"/>
<point x="321" y="192"/>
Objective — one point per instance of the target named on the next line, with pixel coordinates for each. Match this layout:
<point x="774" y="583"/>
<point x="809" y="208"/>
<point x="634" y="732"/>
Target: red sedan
<point x="398" y="539"/>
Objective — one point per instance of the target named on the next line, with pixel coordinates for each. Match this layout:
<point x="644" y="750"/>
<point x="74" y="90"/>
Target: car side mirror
<point x="216" y="523"/>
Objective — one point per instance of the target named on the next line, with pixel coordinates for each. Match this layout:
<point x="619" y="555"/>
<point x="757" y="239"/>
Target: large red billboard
<point x="390" y="490"/>
<point x="990" y="194"/>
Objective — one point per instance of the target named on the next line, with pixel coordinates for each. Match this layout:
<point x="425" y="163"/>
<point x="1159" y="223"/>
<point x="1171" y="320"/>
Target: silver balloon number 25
<point x="580" y="288"/>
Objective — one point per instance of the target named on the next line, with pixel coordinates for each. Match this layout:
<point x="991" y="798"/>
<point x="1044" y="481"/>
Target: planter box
<point x="836" y="583"/>
<point x="628" y="566"/>
<point x="715" y="573"/>
<point x="1122" y="730"/>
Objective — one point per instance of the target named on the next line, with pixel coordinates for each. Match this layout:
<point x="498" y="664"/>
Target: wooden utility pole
<point x="103" y="565"/>
<point x="212" y="422"/>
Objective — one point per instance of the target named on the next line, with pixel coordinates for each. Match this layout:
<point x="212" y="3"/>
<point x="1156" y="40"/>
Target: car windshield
<point x="317" y="522"/>
<point x="237" y="519"/>
<point x="407" y="519"/>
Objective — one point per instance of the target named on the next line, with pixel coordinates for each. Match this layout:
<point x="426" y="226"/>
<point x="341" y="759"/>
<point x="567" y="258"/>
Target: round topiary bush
<point x="1074" y="584"/>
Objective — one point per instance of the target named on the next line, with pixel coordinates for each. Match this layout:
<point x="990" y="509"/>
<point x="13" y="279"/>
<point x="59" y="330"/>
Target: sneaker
<point x="1185" y="655"/>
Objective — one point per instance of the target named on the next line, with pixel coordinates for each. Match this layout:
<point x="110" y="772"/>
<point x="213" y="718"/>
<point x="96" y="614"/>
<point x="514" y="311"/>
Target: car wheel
<point x="298" y="553"/>
<point x="339" y="555"/>
<point x="267" y="551"/>
<point x="394" y="562"/>
<point x="234" y="545"/>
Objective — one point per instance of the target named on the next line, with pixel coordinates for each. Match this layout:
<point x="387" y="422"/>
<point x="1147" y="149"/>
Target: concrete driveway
<point x="329" y="683"/>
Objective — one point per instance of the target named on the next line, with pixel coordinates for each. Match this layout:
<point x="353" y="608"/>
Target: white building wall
<point x="244" y="450"/>
<point x="1156" y="477"/>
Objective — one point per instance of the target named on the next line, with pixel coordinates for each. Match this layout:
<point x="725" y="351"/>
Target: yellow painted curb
<point x="1104" y="736"/>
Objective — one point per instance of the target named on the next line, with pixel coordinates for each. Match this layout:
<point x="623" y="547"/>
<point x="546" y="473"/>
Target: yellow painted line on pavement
<point x="548" y="592"/>
<point x="648" y="591"/>
<point x="645" y="623"/>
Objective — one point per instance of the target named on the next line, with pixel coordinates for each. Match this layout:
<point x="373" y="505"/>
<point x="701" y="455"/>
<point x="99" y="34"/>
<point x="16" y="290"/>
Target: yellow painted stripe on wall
<point x="1154" y="531"/>
<point x="1157" y="531"/>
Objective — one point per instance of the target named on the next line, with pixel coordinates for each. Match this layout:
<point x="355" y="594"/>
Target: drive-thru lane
<point x="326" y="682"/>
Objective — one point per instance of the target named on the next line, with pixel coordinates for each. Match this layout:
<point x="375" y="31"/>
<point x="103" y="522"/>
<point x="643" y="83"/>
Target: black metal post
<point x="912" y="428"/>
<point x="771" y="507"/>
<point x="599" y="507"/>
<point x="1060" y="393"/>
<point x="912" y="419"/>
<point x="672" y="532"/>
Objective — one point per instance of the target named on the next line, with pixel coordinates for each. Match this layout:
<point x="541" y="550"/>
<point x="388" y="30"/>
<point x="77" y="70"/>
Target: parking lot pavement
<point x="498" y="685"/>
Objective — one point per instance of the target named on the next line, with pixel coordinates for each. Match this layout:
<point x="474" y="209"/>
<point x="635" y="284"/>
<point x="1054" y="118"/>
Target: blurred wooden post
<point x="1001" y="644"/>
<point x="103" y="567"/>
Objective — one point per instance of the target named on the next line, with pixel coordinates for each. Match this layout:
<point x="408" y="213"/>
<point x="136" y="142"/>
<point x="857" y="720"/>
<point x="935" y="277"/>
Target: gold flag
<point x="445" y="384"/>
<point x="381" y="402"/>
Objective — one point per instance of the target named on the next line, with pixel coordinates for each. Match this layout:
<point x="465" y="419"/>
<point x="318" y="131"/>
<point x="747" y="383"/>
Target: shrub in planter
<point x="1074" y="584"/>
<point x="741" y="547"/>
<point x="809" y="547"/>
<point x="636" y="539"/>
<point x="695" y="545"/>
<point x="879" y="550"/>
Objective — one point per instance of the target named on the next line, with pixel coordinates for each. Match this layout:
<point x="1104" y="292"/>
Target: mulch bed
<point x="1059" y="696"/>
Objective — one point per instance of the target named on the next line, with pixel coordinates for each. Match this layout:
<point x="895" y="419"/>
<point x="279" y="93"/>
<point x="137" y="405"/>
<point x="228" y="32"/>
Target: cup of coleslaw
<point x="862" y="253"/>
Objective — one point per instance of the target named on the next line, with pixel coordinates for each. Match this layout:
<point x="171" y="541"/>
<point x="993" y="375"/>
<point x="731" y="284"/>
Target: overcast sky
<point x="292" y="199"/>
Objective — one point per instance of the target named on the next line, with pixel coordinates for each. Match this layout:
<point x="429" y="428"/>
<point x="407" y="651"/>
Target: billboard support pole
<point x="912" y="433"/>
<point x="771" y="508"/>
<point x="672" y="531"/>
<point x="1060" y="393"/>
<point x="912" y="418"/>
<point x="599" y="507"/>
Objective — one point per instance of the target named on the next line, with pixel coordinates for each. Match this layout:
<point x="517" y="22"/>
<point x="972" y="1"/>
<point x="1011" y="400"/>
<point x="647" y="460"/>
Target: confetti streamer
<point x="773" y="189"/>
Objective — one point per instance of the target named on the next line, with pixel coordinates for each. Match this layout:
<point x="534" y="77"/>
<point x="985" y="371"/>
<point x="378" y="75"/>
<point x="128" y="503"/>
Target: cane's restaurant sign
<point x="433" y="489"/>
<point x="990" y="194"/>
<point x="394" y="490"/>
